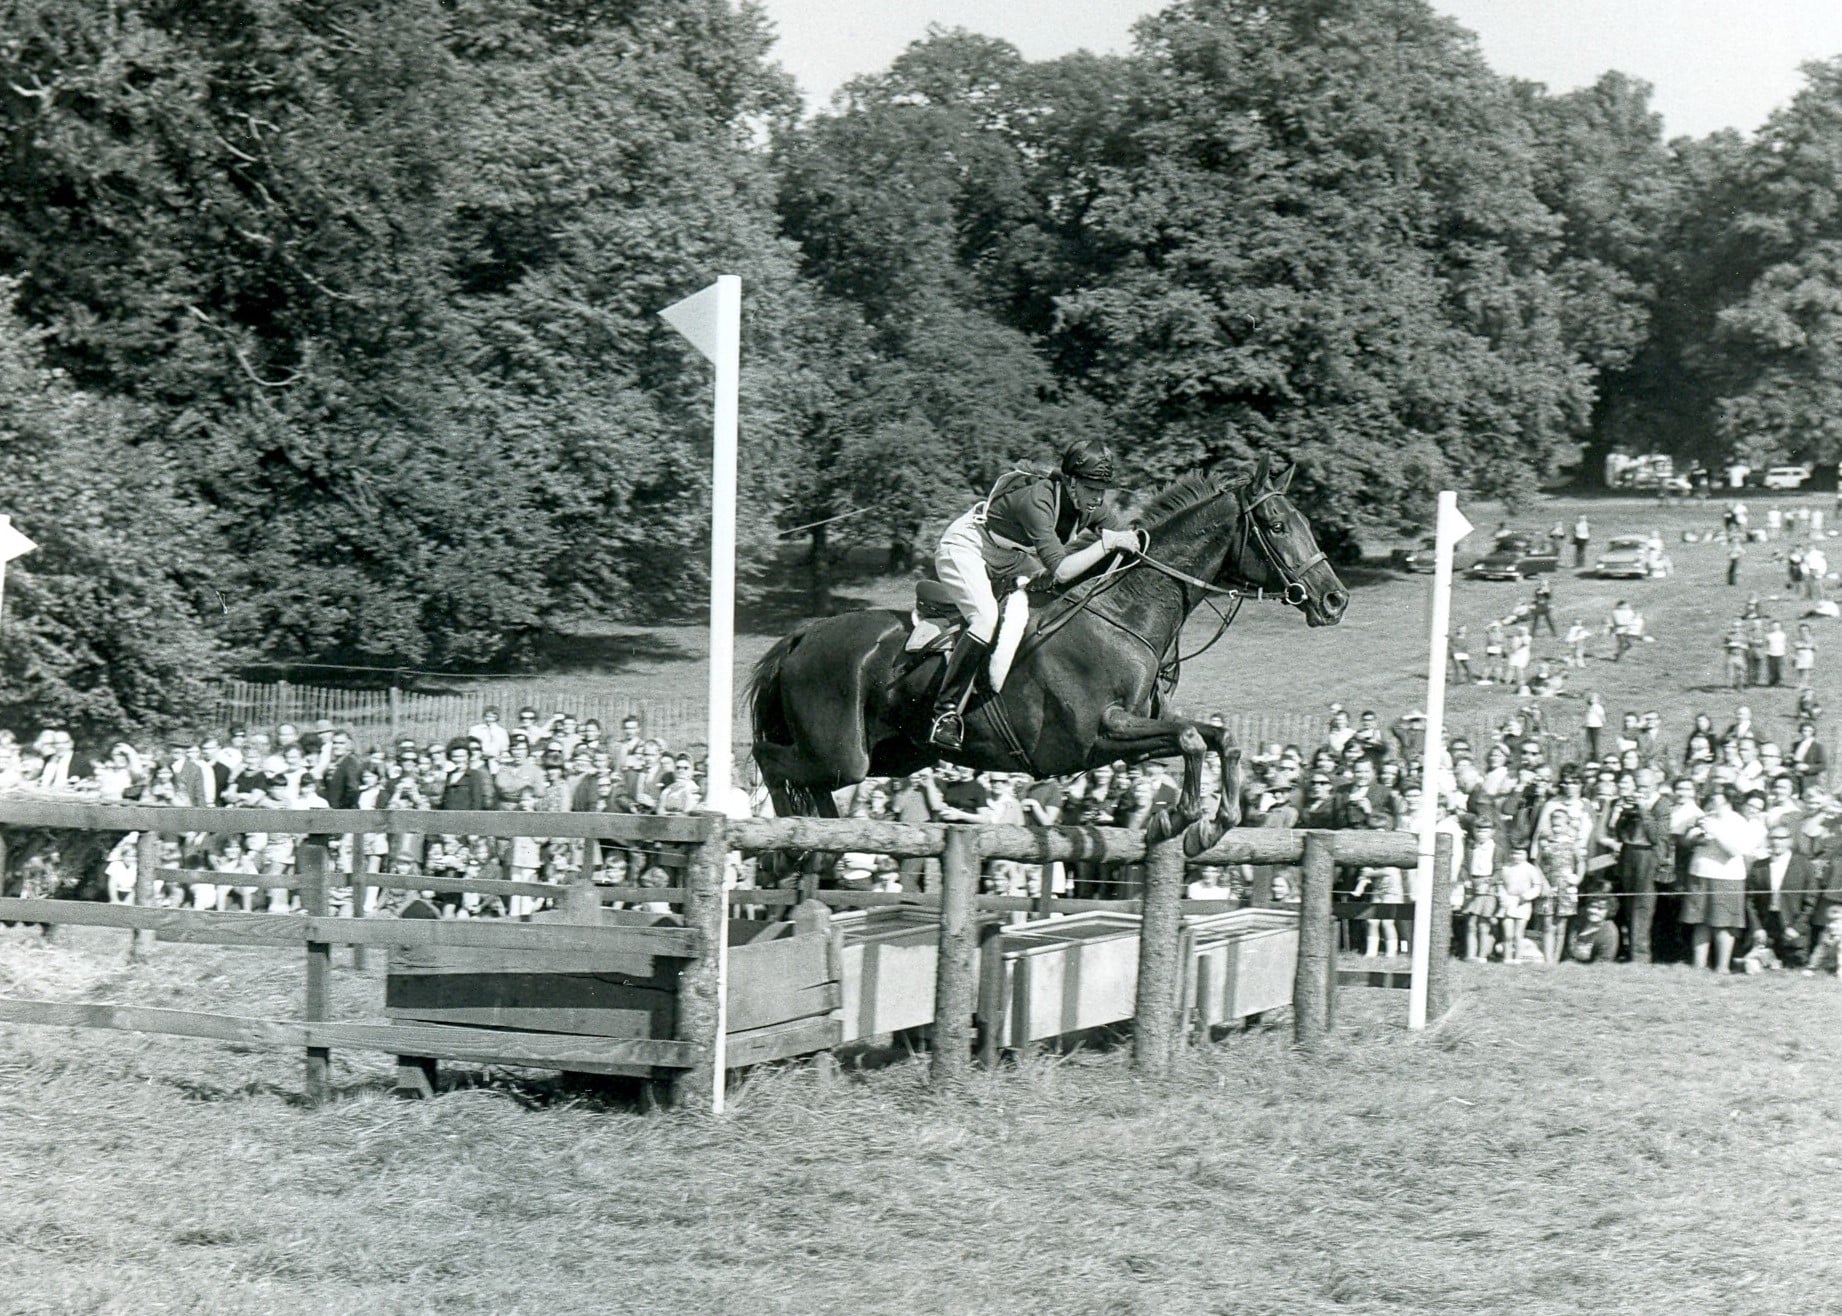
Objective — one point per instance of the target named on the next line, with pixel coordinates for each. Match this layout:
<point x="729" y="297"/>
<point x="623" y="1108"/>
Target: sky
<point x="1713" y="63"/>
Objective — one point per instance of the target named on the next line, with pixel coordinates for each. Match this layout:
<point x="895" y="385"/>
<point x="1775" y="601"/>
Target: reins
<point x="1170" y="666"/>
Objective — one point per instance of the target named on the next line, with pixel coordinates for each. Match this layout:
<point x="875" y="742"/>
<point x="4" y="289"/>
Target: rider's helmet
<point x="1089" y="461"/>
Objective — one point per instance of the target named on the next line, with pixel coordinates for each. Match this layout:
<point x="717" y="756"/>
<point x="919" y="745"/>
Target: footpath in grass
<point x="1615" y="1139"/>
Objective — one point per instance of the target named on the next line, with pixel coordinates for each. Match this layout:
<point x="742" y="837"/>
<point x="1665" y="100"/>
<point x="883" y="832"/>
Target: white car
<point x="1785" y="477"/>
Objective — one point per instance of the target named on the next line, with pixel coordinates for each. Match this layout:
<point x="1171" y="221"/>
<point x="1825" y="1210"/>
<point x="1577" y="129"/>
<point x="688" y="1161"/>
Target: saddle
<point x="936" y="619"/>
<point x="937" y="624"/>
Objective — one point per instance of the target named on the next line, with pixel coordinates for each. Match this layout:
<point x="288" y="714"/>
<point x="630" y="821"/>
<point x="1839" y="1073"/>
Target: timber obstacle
<point x="787" y="996"/>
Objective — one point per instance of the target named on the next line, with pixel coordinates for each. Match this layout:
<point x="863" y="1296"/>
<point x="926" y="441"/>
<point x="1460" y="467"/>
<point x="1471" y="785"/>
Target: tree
<point x="1330" y="246"/>
<point x="104" y="627"/>
<point x="1779" y="332"/>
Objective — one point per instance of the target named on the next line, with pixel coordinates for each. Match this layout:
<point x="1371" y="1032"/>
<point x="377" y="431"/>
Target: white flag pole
<point x="1450" y="528"/>
<point x="712" y="320"/>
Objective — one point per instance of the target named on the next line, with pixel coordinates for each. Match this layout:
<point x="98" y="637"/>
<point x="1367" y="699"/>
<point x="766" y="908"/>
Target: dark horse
<point x="838" y="700"/>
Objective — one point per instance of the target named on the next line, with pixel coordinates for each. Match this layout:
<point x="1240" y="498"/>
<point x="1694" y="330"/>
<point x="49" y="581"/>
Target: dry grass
<point x="1621" y="1140"/>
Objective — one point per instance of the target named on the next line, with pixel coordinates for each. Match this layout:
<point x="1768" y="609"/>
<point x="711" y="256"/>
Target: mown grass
<point x="1623" y="1140"/>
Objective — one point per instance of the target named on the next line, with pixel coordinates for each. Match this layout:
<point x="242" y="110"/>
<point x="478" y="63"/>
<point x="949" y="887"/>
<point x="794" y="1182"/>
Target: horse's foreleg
<point x="1128" y="735"/>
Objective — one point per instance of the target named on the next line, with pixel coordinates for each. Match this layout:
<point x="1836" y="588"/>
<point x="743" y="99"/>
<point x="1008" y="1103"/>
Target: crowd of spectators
<point x="1713" y="845"/>
<point x="552" y="764"/>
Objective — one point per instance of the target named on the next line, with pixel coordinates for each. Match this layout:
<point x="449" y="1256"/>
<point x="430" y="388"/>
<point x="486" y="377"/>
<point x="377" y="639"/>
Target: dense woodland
<point x="328" y="332"/>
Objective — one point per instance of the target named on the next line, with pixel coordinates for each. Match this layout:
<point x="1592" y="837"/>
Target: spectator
<point x="464" y="786"/>
<point x="1520" y="887"/>
<point x="1759" y="957"/>
<point x="1808" y="758"/>
<point x="1460" y="651"/>
<point x="345" y="775"/>
<point x="1543" y="606"/>
<point x="1591" y="936"/>
<point x="1803" y="658"/>
<point x="1826" y="955"/>
<point x="1779" y="890"/>
<point x="1582" y="535"/>
<point x="495" y="741"/>
<point x="1715" y="906"/>
<point x="1623" y="626"/>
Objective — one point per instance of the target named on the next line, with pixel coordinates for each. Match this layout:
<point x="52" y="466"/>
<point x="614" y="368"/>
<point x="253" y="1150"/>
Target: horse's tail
<point x="774" y="747"/>
<point x="768" y="719"/>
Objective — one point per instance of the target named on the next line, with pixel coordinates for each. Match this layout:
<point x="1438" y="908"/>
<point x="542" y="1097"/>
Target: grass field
<point x="1619" y="1140"/>
<point x="1271" y="663"/>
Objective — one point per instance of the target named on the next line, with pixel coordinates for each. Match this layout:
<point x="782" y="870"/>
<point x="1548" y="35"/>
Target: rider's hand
<point x="1119" y="541"/>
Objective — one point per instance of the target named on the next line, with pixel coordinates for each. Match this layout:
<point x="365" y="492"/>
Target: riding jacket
<point x="1028" y="515"/>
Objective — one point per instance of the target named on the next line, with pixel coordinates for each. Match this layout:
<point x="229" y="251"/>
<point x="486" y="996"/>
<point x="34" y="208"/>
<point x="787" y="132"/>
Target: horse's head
<point x="1275" y="550"/>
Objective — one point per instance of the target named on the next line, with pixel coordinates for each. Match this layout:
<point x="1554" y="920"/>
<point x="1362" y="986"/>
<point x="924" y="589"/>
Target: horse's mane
<point x="1187" y="492"/>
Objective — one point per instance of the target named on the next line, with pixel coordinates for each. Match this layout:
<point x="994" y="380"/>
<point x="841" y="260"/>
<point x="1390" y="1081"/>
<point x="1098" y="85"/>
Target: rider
<point x="1027" y="525"/>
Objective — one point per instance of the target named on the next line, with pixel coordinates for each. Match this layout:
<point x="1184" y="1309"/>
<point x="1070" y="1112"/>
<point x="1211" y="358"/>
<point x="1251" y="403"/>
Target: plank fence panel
<point x="199" y="927"/>
<point x="486" y="1045"/>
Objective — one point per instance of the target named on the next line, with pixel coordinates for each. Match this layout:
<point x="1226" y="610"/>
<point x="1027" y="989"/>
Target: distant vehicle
<point x="1626" y="557"/>
<point x="1418" y="558"/>
<point x="1785" y="477"/>
<point x="1516" y="554"/>
<point x="1423" y="556"/>
<point x="1662" y="483"/>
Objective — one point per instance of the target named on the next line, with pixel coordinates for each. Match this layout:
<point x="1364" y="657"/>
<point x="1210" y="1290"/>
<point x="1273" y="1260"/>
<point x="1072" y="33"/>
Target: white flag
<point x="12" y="543"/>
<point x="696" y="318"/>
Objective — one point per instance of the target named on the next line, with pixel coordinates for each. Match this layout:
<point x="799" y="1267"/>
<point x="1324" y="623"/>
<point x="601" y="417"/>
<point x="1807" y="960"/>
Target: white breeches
<point x="960" y="563"/>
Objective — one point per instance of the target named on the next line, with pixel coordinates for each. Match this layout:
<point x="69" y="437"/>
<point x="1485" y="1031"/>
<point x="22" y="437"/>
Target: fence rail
<point x="698" y="945"/>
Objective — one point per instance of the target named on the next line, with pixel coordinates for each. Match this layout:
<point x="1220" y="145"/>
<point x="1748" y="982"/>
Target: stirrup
<point x="949" y="730"/>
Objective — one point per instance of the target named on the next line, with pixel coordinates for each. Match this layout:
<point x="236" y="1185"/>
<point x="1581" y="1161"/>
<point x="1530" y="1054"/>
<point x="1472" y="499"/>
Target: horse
<point x="838" y="699"/>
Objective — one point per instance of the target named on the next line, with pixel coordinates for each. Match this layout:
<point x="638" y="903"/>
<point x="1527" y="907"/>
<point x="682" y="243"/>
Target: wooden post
<point x="700" y="983"/>
<point x="956" y="979"/>
<point x="992" y="1006"/>
<point x="358" y="893"/>
<point x="396" y="714"/>
<point x="312" y="867"/>
<point x="1439" y="965"/>
<point x="1154" y="1031"/>
<point x="1317" y="951"/>
<point x="146" y="866"/>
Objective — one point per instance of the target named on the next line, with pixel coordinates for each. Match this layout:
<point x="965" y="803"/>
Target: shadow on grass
<point x="580" y="651"/>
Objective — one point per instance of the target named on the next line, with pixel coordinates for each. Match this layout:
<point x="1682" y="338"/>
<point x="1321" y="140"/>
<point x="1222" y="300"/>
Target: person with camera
<point x="1635" y="833"/>
<point x="1720" y="842"/>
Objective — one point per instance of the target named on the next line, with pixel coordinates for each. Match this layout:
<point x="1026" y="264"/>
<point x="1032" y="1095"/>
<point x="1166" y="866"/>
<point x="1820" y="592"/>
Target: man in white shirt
<point x="495" y="740"/>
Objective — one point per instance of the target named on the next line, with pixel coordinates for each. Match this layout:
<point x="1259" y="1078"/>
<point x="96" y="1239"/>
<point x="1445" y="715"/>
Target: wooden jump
<point x="695" y="947"/>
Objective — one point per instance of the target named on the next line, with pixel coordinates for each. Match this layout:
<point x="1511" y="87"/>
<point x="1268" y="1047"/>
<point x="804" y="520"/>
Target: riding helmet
<point x="1088" y="460"/>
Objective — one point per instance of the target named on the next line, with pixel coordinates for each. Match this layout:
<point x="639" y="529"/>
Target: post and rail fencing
<point x="696" y="947"/>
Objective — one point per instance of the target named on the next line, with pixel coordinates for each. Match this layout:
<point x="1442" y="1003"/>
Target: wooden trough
<point x="785" y="986"/>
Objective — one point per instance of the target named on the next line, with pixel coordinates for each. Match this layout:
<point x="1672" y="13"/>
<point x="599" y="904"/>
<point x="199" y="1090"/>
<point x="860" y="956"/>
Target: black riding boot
<point x="956" y="683"/>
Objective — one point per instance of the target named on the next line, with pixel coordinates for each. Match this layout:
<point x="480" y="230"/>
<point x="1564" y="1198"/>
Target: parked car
<point x="1517" y="553"/>
<point x="1417" y="558"/>
<point x="1626" y="557"/>
<point x="1785" y="477"/>
<point x="1658" y="483"/>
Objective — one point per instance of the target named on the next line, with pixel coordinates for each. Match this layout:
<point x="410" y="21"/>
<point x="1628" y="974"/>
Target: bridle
<point x="1293" y="593"/>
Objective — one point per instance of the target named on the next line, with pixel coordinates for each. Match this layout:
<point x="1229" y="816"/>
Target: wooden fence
<point x="697" y="946"/>
<point x="378" y="715"/>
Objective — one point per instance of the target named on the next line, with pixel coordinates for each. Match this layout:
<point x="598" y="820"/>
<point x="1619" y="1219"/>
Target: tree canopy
<point x="364" y="296"/>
